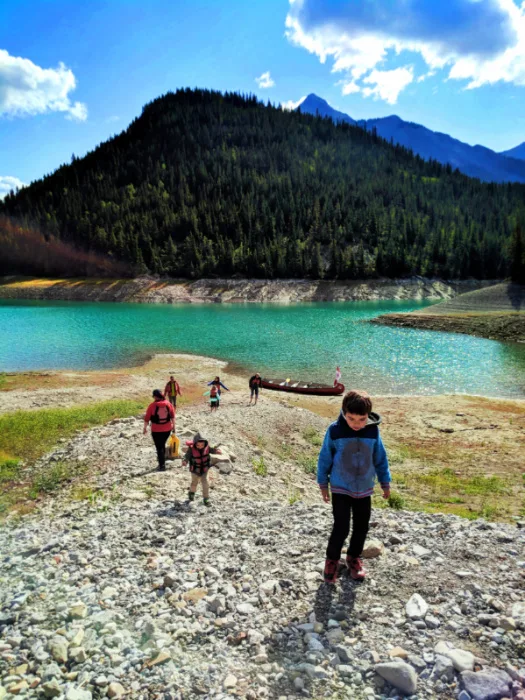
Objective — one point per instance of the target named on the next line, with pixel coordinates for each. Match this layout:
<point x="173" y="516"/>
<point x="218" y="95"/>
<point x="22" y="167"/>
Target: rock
<point x="246" y="609"/>
<point x="225" y="468"/>
<point x="78" y="694"/>
<point x="432" y="622"/>
<point x="518" y="613"/>
<point x="461" y="660"/>
<point x="161" y="658"/>
<point x="398" y="652"/>
<point x="3" y="692"/>
<point x="417" y="607"/>
<point x="399" y="674"/>
<point x="335" y="636"/>
<point x="490" y="684"/>
<point x="52" y="689"/>
<point x="269" y="587"/>
<point x="443" y="669"/>
<point x="58" y="648"/>
<point x="116" y="690"/>
<point x="230" y="681"/>
<point x="420" y="551"/>
<point x="19" y="687"/>
<point x="78" y="655"/>
<point x="78" y="611"/>
<point x="372" y="549"/>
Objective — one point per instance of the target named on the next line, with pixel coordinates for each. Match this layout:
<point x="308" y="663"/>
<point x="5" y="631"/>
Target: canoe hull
<point x="311" y="389"/>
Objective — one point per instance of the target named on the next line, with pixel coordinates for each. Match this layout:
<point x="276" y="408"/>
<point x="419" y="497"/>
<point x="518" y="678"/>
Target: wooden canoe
<point x="302" y="387"/>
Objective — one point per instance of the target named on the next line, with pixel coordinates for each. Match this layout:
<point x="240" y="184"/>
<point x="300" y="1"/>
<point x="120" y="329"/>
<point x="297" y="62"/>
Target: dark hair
<point x="358" y="402"/>
<point x="157" y="393"/>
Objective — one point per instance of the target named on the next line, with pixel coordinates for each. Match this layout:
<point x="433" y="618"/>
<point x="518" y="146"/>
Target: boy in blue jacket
<point x="351" y="457"/>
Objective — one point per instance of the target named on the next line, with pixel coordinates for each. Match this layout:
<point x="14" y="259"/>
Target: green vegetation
<point x="204" y="183"/>
<point x="29" y="434"/>
<point x="396" y="501"/>
<point x="312" y="436"/>
<point x="259" y="467"/>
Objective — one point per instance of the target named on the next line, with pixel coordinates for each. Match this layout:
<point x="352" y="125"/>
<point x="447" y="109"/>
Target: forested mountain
<point x="209" y="184"/>
<point x="476" y="161"/>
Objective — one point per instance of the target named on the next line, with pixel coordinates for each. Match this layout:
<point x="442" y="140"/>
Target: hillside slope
<point x="208" y="184"/>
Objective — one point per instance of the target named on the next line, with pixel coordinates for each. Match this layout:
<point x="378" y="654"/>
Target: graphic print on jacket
<point x="350" y="460"/>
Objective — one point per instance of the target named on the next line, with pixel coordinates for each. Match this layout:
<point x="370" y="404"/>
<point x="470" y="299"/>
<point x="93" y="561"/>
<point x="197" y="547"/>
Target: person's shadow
<point x="326" y="607"/>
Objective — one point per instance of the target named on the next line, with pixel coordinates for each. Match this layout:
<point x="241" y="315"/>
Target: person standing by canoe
<point x="255" y="384"/>
<point x="161" y="414"/>
<point x="337" y="379"/>
<point x="351" y="458"/>
<point x="171" y="391"/>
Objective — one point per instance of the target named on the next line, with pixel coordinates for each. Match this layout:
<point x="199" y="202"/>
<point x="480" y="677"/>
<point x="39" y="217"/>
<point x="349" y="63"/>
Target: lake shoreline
<point x="282" y="291"/>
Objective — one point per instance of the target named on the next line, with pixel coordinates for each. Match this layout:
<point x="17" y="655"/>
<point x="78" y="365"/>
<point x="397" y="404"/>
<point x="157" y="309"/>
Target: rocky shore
<point x="496" y="312"/>
<point x="169" y="291"/>
<point x="126" y="590"/>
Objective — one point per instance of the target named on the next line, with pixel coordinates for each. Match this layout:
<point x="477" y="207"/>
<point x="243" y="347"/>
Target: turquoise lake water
<point x="300" y="341"/>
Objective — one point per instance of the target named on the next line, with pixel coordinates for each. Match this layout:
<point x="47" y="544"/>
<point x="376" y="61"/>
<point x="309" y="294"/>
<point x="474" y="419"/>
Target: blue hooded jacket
<point x="350" y="459"/>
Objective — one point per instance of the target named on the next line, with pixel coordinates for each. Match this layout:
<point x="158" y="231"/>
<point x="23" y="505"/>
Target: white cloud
<point x="28" y="89"/>
<point x="265" y="80"/>
<point x="478" y="41"/>
<point x="8" y="183"/>
<point x="291" y="105"/>
<point x="387" y="84"/>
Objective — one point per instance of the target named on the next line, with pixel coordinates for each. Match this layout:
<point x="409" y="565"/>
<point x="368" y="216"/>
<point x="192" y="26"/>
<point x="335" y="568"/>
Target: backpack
<point x="161" y="418"/>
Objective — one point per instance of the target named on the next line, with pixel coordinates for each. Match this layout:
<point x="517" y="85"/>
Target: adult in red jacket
<point x="161" y="415"/>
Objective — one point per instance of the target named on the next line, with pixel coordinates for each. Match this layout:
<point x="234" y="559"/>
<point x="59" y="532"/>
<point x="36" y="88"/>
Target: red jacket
<point x="150" y="413"/>
<point x="168" y="389"/>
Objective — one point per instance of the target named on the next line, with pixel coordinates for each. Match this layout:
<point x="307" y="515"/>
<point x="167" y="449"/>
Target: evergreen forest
<point x="207" y="184"/>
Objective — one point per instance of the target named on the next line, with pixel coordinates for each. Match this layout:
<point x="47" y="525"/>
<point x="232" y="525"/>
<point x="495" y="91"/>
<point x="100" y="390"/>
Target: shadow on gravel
<point x="325" y="607"/>
<point x="174" y="509"/>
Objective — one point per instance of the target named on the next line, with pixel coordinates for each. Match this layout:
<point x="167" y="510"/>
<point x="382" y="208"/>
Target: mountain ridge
<point x="476" y="161"/>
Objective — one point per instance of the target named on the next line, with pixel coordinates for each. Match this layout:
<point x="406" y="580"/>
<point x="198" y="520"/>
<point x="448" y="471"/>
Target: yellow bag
<point x="172" y="448"/>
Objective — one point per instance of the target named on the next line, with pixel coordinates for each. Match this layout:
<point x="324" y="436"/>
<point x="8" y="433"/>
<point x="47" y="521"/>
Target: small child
<point x="198" y="457"/>
<point x="351" y="456"/>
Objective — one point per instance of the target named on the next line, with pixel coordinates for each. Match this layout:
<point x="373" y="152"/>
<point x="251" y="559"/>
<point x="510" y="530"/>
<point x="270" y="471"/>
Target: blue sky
<point x="73" y="74"/>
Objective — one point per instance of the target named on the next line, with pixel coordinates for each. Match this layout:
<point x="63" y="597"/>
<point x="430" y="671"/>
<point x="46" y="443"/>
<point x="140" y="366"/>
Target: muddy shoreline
<point x="507" y="328"/>
<point x="169" y="291"/>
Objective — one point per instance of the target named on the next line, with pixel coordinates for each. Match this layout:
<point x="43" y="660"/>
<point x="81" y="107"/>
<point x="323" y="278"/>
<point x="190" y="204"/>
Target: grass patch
<point x="396" y="501"/>
<point x="308" y="463"/>
<point x="28" y="435"/>
<point x="259" y="467"/>
<point x="311" y="435"/>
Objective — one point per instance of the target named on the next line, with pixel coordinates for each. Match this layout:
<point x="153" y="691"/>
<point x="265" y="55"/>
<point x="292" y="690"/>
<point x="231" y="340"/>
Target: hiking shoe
<point x="355" y="567"/>
<point x="191" y="496"/>
<point x="206" y="502"/>
<point x="161" y="469"/>
<point x="331" y="567"/>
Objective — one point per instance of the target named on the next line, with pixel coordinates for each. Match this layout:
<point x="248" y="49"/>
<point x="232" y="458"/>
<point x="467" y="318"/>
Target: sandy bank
<point x="169" y="291"/>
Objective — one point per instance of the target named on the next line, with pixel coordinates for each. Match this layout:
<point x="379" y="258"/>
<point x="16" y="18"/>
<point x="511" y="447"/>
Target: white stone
<point x="417" y="607"/>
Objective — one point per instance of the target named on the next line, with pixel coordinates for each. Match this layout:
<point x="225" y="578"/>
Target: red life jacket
<point x="162" y="414"/>
<point x="200" y="460"/>
<point x="214" y="391"/>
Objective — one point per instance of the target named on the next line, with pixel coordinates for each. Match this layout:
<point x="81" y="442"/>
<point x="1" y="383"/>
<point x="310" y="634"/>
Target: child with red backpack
<point x="162" y="417"/>
<point x="198" y="457"/>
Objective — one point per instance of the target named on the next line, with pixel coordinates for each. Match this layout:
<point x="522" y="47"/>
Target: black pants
<point x="342" y="507"/>
<point x="160" y="440"/>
